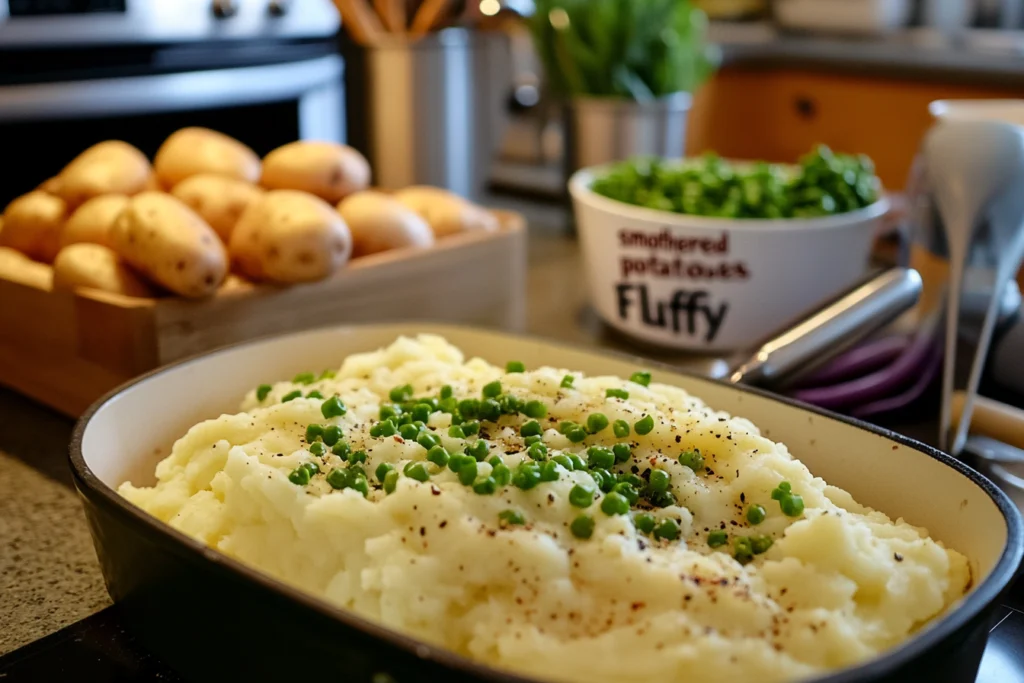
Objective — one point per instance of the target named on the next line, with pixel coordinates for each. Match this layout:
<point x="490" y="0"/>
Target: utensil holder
<point x="429" y="111"/>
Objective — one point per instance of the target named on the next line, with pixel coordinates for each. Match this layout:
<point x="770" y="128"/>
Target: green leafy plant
<point x="638" y="49"/>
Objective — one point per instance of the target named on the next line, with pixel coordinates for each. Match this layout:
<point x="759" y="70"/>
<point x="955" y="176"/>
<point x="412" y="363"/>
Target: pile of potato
<point x="206" y="207"/>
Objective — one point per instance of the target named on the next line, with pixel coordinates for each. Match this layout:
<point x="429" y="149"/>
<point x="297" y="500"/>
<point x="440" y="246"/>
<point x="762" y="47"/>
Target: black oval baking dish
<point x="213" y="618"/>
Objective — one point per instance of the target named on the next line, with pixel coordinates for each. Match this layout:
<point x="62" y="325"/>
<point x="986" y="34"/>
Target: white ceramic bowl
<point x="714" y="284"/>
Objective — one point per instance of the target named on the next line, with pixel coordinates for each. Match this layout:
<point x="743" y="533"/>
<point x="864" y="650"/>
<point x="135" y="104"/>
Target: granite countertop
<point x="980" y="57"/>
<point x="49" y="576"/>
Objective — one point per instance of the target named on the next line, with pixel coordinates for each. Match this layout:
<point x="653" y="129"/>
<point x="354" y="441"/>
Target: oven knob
<point x="278" y="8"/>
<point x="222" y="9"/>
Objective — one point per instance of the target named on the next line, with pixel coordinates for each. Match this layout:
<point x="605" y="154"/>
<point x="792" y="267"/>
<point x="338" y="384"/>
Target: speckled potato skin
<point x="191" y="151"/>
<point x="111" y="167"/>
<point x="288" y="237"/>
<point x="93" y="220"/>
<point x="379" y="223"/>
<point x="170" y="245"/>
<point x="17" y="267"/>
<point x="326" y="169"/>
<point x="446" y="212"/>
<point x="33" y="224"/>
<point x="96" y="267"/>
<point x="220" y="200"/>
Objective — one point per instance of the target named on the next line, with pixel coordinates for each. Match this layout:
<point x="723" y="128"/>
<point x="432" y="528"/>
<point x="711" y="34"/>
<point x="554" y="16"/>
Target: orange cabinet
<point x="778" y="114"/>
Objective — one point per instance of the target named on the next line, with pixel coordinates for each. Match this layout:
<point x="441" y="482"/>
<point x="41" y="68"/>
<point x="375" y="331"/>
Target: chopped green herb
<point x="291" y="396"/>
<point x="514" y="366"/>
<point x="314" y="394"/>
<point x="641" y="378"/>
<point x="511" y="518"/>
<point x="262" y="391"/>
<point x="304" y="378"/>
<point x="567" y="382"/>
<point x="617" y="393"/>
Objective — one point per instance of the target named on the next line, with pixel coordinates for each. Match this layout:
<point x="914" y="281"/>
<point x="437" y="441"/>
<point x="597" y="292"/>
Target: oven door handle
<point x="170" y="92"/>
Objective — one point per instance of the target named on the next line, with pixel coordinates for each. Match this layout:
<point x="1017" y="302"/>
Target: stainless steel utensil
<point x="993" y="450"/>
<point x="831" y="330"/>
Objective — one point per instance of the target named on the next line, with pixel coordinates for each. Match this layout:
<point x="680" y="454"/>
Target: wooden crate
<point x="68" y="349"/>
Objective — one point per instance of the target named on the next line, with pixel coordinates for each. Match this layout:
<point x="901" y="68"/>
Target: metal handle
<point x="832" y="329"/>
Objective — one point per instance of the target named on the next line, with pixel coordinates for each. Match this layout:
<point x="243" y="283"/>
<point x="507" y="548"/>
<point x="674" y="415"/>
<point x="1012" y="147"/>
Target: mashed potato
<point x="513" y="578"/>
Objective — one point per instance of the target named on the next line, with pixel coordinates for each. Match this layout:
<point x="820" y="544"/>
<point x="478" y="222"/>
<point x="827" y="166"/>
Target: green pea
<point x="792" y="505"/>
<point x="262" y="391"/>
<point x="417" y="471"/>
<point x="531" y="428"/>
<point x="428" y="439"/>
<point x="582" y="527"/>
<point x="538" y="451"/>
<point x="760" y="544"/>
<point x="492" y="389"/>
<point x="342" y="450"/>
<point x="312" y="467"/>
<point x="567" y="382"/>
<point x="660" y="481"/>
<point x="457" y="460"/>
<point x="565" y="426"/>
<point x="489" y="410"/>
<point x="692" y="459"/>
<point x="633" y="480"/>
<point x="564" y="461"/>
<point x="467" y="473"/>
<point x="599" y="456"/>
<point x="332" y="435"/>
<point x="549" y="471"/>
<point x="617" y="393"/>
<point x="314" y="394"/>
<point x="333" y="407"/>
<point x="627" y="491"/>
<point x="318" y="449"/>
<point x="471" y="427"/>
<point x="515" y="366"/>
<point x="357" y="457"/>
<point x="644" y="522"/>
<point x="581" y="496"/>
<point x="400" y="394"/>
<point x="421" y="412"/>
<point x="641" y="378"/>
<point x="478" y="449"/>
<point x="291" y="396"/>
<point x="389" y="411"/>
<point x="576" y="435"/>
<point x="614" y="504"/>
<point x="530" y="440"/>
<point x="314" y="432"/>
<point x="510" y="405"/>
<point x="742" y="550"/>
<point x="605" y="480"/>
<point x="511" y="518"/>
<point x="782" y="490"/>
<point x="448" y="405"/>
<point x="501" y="474"/>
<point x="328" y="374"/>
<point x="667" y="530"/>
<point x="409" y="431"/>
<point x="661" y="499"/>
<point x="447" y="392"/>
<point x="644" y="426"/>
<point x="620" y="428"/>
<point x="304" y="378"/>
<point x="494" y="461"/>
<point x="485" y="486"/>
<point x="456" y="432"/>
<point x="438" y="455"/>
<point x="382" y="471"/>
<point x="596" y="422"/>
<point x="535" y="409"/>
<point x="577" y="461"/>
<point x="390" y="482"/>
<point x="526" y="476"/>
<point x="383" y="429"/>
<point x="755" y="514"/>
<point x="299" y="476"/>
<point x="469" y="407"/>
<point x="360" y="484"/>
<point x="338" y="479"/>
<point x="717" y="538"/>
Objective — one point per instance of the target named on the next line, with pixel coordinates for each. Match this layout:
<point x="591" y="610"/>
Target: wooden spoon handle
<point x="992" y="419"/>
<point x="392" y="13"/>
<point x="361" y="21"/>
<point x="428" y="16"/>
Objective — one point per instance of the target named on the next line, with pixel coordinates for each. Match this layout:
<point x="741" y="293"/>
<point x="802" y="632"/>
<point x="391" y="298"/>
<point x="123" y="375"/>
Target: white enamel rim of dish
<point x="579" y="188"/>
<point x="998" y="579"/>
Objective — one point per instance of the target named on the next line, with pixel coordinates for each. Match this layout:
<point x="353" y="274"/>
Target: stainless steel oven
<point x="74" y="72"/>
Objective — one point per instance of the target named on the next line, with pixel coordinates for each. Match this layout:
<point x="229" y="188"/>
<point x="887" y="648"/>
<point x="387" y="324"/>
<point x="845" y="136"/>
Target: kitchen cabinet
<point x="780" y="113"/>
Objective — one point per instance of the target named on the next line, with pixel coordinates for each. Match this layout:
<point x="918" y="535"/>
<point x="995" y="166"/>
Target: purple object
<point x="905" y="399"/>
<point x="857" y="362"/>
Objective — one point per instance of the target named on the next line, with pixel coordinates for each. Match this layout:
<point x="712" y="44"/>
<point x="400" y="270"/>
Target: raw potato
<point x="92" y="221"/>
<point x="326" y="169"/>
<point x="50" y="185"/>
<point x="220" y="200"/>
<point x="170" y="244"/>
<point x="379" y="223"/>
<point x="446" y="212"/>
<point x="111" y="167"/>
<point x="191" y="151"/>
<point x="288" y="237"/>
<point x="33" y="223"/>
<point x="17" y="267"/>
<point x="97" y="267"/>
